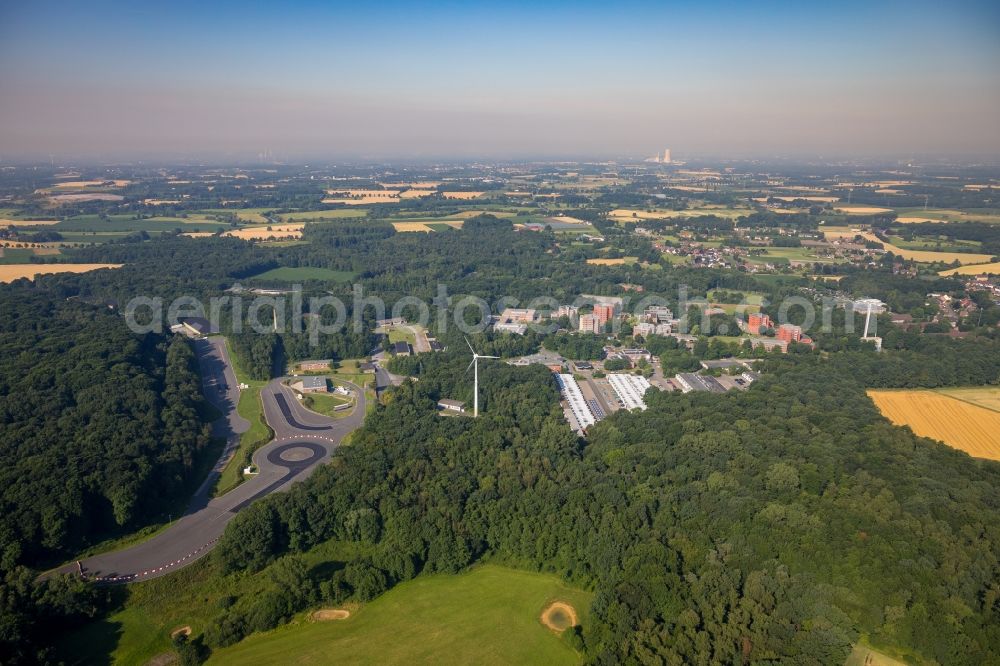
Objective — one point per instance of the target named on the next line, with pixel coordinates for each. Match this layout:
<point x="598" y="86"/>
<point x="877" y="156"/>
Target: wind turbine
<point x="475" y="364"/>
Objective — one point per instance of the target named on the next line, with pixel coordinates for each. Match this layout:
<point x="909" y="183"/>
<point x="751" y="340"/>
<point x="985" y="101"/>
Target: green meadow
<point x="489" y="615"/>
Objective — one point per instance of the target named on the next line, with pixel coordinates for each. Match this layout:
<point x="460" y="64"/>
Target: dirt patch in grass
<point x="181" y="631"/>
<point x="325" y="614"/>
<point x="558" y="616"/>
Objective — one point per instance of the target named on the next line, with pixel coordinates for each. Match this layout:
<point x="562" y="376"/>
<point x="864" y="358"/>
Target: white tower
<point x="475" y="386"/>
<point x="666" y="156"/>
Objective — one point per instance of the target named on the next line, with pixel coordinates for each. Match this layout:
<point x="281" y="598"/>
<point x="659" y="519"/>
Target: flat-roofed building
<point x="758" y="322"/>
<point x="310" y="385"/>
<point x="767" y="344"/>
<point x="604" y="313"/>
<point x="450" y="405"/>
<point x="658" y="314"/>
<point x="576" y="403"/>
<point x="567" y="311"/>
<point x="630" y="389"/>
<point x="590" y="324"/>
<point x="521" y="315"/>
<point x="511" y="327"/>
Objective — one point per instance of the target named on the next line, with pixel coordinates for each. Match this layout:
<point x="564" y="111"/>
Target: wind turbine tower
<point x="475" y="386"/>
<point x="871" y="304"/>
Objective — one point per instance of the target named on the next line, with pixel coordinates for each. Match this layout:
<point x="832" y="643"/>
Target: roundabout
<point x="296" y="455"/>
<point x="302" y="441"/>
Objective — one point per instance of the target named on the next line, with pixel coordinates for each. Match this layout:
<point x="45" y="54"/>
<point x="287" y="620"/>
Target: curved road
<point x="302" y="440"/>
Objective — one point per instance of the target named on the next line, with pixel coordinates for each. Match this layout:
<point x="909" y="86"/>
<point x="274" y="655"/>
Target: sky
<point x="505" y="80"/>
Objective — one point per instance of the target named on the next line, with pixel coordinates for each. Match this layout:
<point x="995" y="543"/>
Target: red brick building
<point x="758" y="322"/>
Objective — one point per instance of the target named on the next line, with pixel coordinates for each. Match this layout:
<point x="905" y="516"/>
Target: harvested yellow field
<point x="861" y="210"/>
<point x="420" y="185"/>
<point x="27" y="223"/>
<point x="416" y="194"/>
<point x="267" y="233"/>
<point x="926" y="256"/>
<point x="462" y="195"/>
<point x="612" y="262"/>
<point x="422" y="226"/>
<point x="833" y="233"/>
<point x="974" y="269"/>
<point x="91" y="183"/>
<point x="355" y="202"/>
<point x="411" y="226"/>
<point x="198" y="234"/>
<point x="11" y="272"/>
<point x="961" y="425"/>
<point x="161" y="202"/>
<point x="816" y="199"/>
<point x="466" y="214"/>
<point x="626" y="214"/>
<point x="909" y="219"/>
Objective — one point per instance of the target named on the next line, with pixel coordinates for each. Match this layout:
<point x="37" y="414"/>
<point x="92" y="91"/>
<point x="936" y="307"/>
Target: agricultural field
<point x="23" y="255"/>
<point x="621" y="261"/>
<point x="248" y="215"/>
<point x="959" y="424"/>
<point x="918" y="215"/>
<point x="440" y="225"/>
<point x="11" y="272"/>
<point x="858" y="209"/>
<point x="982" y="396"/>
<point x="785" y="255"/>
<point x="636" y="215"/>
<point x="128" y="224"/>
<point x="914" y="255"/>
<point x="6" y="222"/>
<point x="936" y="244"/>
<point x="303" y="273"/>
<point x="312" y="215"/>
<point x="489" y="615"/>
<point x="975" y="269"/>
<point x="275" y="232"/>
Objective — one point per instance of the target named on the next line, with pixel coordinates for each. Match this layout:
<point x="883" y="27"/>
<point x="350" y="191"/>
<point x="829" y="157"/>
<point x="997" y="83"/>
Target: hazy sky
<point x="505" y="79"/>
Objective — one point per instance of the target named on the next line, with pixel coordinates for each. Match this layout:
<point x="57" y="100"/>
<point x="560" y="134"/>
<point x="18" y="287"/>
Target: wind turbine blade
<point x="470" y="346"/>
<point x="470" y="364"/>
<point x="489" y="357"/>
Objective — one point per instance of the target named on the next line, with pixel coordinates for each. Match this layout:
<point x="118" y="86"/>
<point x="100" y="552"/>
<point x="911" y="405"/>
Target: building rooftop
<point x="199" y="324"/>
<point x="313" y="382"/>
<point x="722" y="363"/>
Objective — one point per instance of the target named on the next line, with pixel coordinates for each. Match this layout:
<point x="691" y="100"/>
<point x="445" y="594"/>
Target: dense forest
<point x="769" y="525"/>
<point x="776" y="524"/>
<point x="99" y="425"/>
